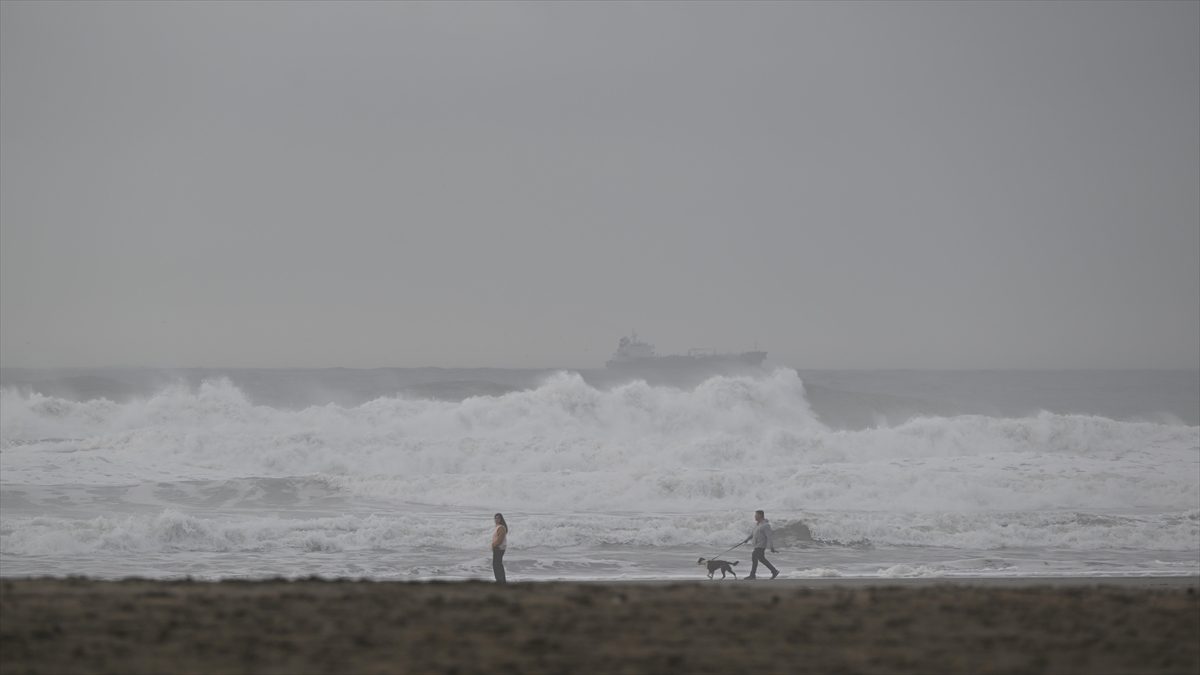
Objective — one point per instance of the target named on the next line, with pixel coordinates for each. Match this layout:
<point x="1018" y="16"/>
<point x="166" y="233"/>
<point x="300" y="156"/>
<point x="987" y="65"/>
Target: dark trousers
<point x="498" y="565"/>
<point x="760" y="556"/>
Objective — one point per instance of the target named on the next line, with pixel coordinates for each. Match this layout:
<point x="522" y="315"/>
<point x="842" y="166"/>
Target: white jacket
<point x="762" y="535"/>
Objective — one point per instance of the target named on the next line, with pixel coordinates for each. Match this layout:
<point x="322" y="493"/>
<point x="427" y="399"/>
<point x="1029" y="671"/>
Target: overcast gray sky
<point x="861" y="185"/>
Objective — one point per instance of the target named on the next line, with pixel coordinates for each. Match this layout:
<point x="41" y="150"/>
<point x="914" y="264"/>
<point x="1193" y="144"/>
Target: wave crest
<point x="730" y="441"/>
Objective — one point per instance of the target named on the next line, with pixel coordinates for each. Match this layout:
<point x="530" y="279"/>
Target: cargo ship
<point x="634" y="354"/>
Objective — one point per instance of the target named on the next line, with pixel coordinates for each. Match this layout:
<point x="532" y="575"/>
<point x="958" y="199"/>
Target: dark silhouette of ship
<point x="634" y="355"/>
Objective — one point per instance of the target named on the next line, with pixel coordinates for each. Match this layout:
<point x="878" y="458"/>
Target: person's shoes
<point x="749" y="578"/>
<point x="774" y="574"/>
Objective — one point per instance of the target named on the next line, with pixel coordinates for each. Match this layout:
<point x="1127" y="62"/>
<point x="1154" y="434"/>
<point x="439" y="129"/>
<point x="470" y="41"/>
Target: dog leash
<point x="727" y="550"/>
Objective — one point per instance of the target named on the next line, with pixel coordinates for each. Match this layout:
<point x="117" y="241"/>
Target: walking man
<point x="762" y="541"/>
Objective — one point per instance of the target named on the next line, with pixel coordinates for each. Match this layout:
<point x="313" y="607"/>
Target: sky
<point x="844" y="185"/>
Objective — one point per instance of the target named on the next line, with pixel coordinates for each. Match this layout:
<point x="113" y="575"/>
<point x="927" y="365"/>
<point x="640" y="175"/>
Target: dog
<point x="714" y="565"/>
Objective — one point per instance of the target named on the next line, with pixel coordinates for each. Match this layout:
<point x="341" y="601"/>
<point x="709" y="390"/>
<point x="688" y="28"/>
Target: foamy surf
<point x="625" y="481"/>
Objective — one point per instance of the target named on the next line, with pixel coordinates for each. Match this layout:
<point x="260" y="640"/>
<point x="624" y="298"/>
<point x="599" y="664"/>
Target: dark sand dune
<point x="82" y="626"/>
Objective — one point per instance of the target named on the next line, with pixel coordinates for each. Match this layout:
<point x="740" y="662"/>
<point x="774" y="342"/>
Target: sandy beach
<point x="826" y="626"/>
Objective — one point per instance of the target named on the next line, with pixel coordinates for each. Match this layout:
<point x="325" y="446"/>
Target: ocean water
<point x="395" y="474"/>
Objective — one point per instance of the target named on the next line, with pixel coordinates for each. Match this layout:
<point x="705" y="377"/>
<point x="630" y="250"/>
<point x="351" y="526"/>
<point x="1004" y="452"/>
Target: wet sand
<point x="822" y="626"/>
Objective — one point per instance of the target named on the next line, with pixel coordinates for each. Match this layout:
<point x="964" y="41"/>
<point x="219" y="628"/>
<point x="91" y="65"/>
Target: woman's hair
<point x="500" y="517"/>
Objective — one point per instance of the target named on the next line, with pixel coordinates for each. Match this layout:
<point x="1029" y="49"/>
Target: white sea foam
<point x="817" y="573"/>
<point x="169" y="530"/>
<point x="205" y="469"/>
<point x="908" y="571"/>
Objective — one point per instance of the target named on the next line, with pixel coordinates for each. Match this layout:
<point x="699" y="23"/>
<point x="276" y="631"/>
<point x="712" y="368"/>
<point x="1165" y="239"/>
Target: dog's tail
<point x="734" y="562"/>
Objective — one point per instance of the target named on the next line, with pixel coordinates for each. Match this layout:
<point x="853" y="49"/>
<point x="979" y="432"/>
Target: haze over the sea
<point x="844" y="185"/>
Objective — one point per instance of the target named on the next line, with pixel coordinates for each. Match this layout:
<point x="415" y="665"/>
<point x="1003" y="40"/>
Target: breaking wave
<point x="584" y="463"/>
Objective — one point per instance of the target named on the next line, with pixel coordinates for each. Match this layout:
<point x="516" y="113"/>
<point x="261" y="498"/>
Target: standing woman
<point x="499" y="544"/>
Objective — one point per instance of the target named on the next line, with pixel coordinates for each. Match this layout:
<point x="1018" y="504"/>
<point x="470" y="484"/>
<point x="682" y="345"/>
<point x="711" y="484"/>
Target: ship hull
<point x="681" y="362"/>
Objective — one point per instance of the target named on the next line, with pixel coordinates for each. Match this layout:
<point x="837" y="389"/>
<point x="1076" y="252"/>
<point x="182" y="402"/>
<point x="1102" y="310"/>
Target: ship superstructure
<point x="633" y="353"/>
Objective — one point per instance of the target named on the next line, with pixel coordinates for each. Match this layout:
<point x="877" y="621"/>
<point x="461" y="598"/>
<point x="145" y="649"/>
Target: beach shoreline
<point x="1129" y="581"/>
<point x="955" y="625"/>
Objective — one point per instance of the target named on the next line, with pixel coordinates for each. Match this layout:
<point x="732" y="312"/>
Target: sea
<point x="395" y="474"/>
